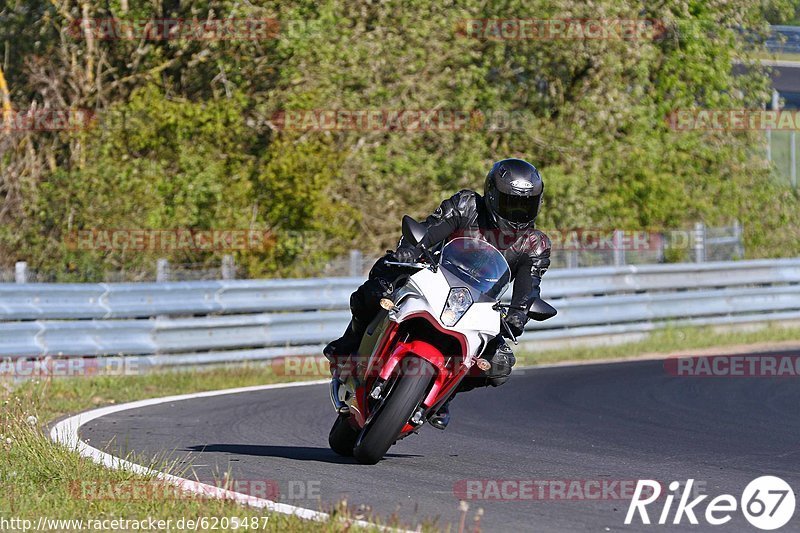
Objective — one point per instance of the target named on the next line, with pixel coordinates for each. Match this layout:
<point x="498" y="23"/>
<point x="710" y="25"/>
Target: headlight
<point x="458" y="301"/>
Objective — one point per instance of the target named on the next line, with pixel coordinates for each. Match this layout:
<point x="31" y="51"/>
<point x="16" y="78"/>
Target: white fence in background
<point x="589" y="249"/>
<point x="191" y="323"/>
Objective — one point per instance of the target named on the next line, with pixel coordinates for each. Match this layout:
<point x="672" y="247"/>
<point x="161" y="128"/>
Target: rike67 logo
<point x="767" y="502"/>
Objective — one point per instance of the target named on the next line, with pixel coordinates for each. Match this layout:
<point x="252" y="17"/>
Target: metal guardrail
<point x="217" y="321"/>
<point x="784" y="39"/>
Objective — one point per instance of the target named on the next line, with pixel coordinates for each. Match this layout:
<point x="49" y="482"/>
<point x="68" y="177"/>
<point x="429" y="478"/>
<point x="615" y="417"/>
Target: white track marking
<point x="66" y="432"/>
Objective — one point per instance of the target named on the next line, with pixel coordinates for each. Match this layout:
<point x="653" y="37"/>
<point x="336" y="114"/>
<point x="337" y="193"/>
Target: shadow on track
<point x="297" y="453"/>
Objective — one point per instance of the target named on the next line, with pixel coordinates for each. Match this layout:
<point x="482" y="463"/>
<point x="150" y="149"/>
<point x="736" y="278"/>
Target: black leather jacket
<point x="527" y="251"/>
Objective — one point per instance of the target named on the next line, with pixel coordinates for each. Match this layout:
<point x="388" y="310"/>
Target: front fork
<point x="338" y="405"/>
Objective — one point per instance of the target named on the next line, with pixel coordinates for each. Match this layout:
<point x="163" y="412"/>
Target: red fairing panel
<point x="390" y="355"/>
<point x="446" y="375"/>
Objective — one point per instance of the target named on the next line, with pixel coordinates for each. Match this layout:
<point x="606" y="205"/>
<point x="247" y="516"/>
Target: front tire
<point x="343" y="436"/>
<point x="403" y="400"/>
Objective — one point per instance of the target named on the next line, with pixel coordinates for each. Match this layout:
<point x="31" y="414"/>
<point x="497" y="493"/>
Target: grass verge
<point x="38" y="478"/>
<point x="780" y="56"/>
<point x="666" y="342"/>
<point x="41" y="479"/>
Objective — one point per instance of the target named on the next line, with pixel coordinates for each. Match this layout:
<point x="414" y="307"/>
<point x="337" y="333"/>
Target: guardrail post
<point x="356" y="263"/>
<point x="662" y="246"/>
<point x="619" y="251"/>
<point x="775" y="105"/>
<point x="699" y="242"/>
<point x="768" y="133"/>
<point x="737" y="232"/>
<point x="793" y="158"/>
<point x="572" y="258"/>
<point x="162" y="270"/>
<point x="228" y="267"/>
<point x="21" y="272"/>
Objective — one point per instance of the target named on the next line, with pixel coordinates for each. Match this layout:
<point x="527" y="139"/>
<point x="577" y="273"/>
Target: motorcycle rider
<point x="504" y="216"/>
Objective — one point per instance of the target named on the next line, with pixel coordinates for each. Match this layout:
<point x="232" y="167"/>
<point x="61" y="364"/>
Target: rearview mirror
<point x="541" y="310"/>
<point x="413" y="231"/>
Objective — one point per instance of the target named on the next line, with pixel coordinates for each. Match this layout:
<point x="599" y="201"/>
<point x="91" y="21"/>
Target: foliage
<point x="187" y="136"/>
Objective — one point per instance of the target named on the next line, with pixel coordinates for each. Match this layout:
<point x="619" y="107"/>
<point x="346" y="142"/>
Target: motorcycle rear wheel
<point x="403" y="399"/>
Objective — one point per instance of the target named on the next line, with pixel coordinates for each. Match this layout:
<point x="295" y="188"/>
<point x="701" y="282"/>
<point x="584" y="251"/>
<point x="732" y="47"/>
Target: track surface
<point x="621" y="421"/>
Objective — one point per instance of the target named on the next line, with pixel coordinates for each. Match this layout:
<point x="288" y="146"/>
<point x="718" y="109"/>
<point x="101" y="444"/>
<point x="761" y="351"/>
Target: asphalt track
<point x="612" y="422"/>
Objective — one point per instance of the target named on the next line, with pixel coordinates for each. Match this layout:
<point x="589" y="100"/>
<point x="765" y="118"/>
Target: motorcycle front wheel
<point x="343" y="436"/>
<point x="403" y="400"/>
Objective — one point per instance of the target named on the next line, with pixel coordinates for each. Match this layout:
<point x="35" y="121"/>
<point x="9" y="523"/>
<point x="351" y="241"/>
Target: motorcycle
<point x="430" y="333"/>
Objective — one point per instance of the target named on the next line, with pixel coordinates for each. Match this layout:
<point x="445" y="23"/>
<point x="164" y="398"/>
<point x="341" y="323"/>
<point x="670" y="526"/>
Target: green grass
<point x="781" y="56"/>
<point x="664" y="342"/>
<point x="37" y="477"/>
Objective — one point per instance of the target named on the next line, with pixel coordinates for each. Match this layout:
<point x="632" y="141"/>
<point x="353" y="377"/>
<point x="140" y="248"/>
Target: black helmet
<point x="513" y="194"/>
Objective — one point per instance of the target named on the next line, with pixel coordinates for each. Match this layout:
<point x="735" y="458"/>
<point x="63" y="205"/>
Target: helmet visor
<point x="515" y="208"/>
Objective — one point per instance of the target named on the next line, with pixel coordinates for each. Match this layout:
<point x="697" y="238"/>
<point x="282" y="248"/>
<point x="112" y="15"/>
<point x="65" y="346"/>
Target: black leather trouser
<point x="365" y="301"/>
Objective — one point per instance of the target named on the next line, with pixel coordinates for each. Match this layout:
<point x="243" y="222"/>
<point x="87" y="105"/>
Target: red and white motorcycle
<point x="431" y="332"/>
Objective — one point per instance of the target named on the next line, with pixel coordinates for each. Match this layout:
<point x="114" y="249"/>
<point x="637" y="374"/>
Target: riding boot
<point x="442" y="417"/>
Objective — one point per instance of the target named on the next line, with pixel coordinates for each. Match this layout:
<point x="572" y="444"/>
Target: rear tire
<point x="403" y="399"/>
<point x="342" y="437"/>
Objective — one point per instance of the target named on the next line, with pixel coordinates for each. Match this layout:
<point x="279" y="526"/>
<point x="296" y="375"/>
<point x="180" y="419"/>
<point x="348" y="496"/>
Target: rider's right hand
<point x="516" y="320"/>
<point x="407" y="254"/>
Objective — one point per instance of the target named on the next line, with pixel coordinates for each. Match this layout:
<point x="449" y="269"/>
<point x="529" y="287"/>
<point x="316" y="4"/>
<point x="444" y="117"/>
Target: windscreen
<point x="478" y="264"/>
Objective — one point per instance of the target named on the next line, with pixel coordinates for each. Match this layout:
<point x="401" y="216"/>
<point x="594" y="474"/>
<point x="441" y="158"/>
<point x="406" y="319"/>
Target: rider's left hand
<point x="516" y="320"/>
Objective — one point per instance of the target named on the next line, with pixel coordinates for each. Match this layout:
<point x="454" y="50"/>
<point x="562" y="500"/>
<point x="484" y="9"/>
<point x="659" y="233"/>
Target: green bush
<point x="186" y="133"/>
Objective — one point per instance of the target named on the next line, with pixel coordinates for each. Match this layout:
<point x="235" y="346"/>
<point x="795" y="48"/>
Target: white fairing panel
<point x="479" y="324"/>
